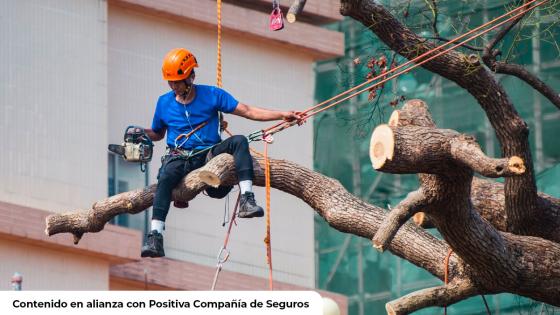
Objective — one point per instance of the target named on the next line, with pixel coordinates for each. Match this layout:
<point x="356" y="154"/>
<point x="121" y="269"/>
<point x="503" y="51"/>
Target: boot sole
<point x="151" y="254"/>
<point x="257" y="214"/>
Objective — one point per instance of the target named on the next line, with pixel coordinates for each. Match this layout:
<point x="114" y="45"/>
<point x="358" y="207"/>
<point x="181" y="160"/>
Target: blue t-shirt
<point x="181" y="119"/>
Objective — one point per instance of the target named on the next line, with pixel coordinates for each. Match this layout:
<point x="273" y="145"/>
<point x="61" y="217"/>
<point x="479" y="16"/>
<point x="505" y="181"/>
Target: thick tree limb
<point x="487" y="196"/>
<point x="521" y="200"/>
<point x="327" y="196"/>
<point x="94" y="220"/>
<point x="295" y="9"/>
<point x="446" y="192"/>
<point x="411" y="149"/>
<point x="516" y="256"/>
<point x="414" y="112"/>
<point x="397" y="217"/>
<point x="438" y="296"/>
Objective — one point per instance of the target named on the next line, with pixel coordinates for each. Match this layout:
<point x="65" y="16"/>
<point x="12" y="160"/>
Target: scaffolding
<point x="348" y="264"/>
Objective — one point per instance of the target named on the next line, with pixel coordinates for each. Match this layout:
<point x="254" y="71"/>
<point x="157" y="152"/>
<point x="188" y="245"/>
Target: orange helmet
<point x="178" y="64"/>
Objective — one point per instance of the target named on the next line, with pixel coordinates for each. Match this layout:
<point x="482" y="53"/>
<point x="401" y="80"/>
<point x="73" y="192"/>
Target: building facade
<point x="76" y="73"/>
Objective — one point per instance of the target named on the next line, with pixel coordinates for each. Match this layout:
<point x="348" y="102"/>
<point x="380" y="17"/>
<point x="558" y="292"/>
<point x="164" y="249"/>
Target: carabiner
<point x="268" y="138"/>
<point x="255" y="136"/>
<point x="223" y="256"/>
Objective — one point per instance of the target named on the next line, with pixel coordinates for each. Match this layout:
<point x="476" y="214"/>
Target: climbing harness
<point x="223" y="254"/>
<point x="276" y="20"/>
<point x="137" y="147"/>
<point x="188" y="135"/>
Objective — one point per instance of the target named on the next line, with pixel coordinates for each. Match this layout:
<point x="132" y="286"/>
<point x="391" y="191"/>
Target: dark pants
<point x="173" y="170"/>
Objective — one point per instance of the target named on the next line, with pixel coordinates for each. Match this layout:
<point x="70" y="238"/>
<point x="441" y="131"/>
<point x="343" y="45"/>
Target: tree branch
<point x="467" y="151"/>
<point x="327" y="196"/>
<point x="435" y="12"/>
<point x="398" y="216"/>
<point x="438" y="296"/>
<point x="447" y="189"/>
<point x="414" y="112"/>
<point x="489" y="254"/>
<point x="295" y="9"/>
<point x="412" y="149"/>
<point x="490" y="55"/>
<point x="503" y="32"/>
<point x="521" y="199"/>
<point x="529" y="78"/>
<point x="487" y="196"/>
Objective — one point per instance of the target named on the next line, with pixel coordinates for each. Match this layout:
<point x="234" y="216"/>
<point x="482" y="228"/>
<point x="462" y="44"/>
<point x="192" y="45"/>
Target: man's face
<point x="181" y="87"/>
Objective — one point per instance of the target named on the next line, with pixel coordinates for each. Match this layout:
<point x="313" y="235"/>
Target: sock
<point x="158" y="226"/>
<point x="246" y="185"/>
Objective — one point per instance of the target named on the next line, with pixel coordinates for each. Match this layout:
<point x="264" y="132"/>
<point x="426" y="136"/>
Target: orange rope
<point x="446" y="273"/>
<point x="267" y="238"/>
<point x="284" y="125"/>
<point x="267" y="163"/>
<point x="219" y="52"/>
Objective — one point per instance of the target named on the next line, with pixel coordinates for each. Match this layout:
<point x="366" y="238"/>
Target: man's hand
<point x="290" y="116"/>
<point x="261" y="114"/>
<point x="135" y="130"/>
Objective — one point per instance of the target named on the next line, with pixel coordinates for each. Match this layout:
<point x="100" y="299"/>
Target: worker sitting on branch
<point x="189" y="114"/>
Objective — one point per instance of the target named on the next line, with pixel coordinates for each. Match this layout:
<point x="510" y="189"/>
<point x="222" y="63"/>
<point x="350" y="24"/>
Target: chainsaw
<point x="137" y="147"/>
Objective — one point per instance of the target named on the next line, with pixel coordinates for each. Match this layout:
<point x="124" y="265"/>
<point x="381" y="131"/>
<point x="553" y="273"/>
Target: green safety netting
<point x="348" y="264"/>
<point x="549" y="181"/>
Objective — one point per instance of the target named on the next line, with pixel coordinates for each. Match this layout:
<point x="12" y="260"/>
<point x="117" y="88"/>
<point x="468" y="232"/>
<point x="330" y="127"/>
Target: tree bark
<point x="521" y="199"/>
<point x="445" y="195"/>
<point x="487" y="196"/>
<point x="531" y="264"/>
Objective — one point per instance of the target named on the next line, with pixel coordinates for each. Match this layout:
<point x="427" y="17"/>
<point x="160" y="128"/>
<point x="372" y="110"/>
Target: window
<point x="125" y="176"/>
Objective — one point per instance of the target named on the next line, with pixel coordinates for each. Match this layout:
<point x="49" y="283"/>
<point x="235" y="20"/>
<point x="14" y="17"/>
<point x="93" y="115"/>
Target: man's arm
<point x="155" y="136"/>
<point x="261" y="114"/>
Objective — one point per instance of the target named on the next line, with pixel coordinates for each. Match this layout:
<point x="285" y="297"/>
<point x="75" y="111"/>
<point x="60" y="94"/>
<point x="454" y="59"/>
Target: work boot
<point x="180" y="204"/>
<point x="248" y="207"/>
<point x="154" y="245"/>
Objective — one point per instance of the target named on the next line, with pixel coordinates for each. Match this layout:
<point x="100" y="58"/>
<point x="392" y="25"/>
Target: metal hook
<point x="223" y="256"/>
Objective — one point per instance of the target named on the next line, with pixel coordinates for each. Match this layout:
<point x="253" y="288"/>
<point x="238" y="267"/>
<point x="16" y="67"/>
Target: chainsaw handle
<point x="126" y="132"/>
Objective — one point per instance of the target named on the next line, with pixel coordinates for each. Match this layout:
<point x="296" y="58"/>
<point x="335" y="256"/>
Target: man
<point x="189" y="114"/>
